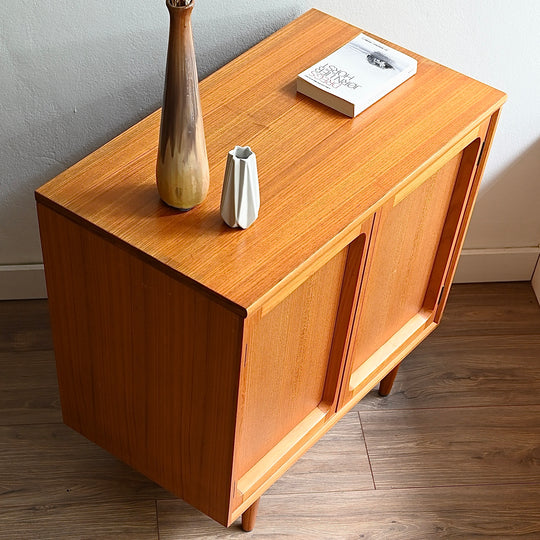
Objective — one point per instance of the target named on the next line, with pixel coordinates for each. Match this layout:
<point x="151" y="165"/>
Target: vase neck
<point x="180" y="15"/>
<point x="180" y="34"/>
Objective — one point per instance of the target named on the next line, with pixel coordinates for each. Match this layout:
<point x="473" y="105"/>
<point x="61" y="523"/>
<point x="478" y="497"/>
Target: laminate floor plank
<point x="457" y="446"/>
<point x="50" y="464"/>
<point x="118" y="520"/>
<point x="490" y="309"/>
<point x="337" y="462"/>
<point x="407" y="514"/>
<point x="25" y="326"/>
<point x="464" y="372"/>
<point x="28" y="388"/>
<point x="454" y="449"/>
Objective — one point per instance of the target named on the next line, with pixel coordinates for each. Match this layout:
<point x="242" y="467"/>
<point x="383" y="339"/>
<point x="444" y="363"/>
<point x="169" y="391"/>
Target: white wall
<point x="74" y="74"/>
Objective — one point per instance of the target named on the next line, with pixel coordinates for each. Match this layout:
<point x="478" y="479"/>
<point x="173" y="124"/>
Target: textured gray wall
<point x="75" y="74"/>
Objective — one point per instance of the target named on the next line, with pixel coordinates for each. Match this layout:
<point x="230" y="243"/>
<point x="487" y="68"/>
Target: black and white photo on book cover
<point x="360" y="72"/>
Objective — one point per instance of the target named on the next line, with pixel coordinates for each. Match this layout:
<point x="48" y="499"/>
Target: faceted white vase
<point x="240" y="199"/>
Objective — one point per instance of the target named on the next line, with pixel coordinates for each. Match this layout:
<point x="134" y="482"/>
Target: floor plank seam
<point x="491" y="488"/>
<point x="157" y="518"/>
<point x="367" y="452"/>
<point x="449" y="337"/>
<point x="78" y="503"/>
<point x="16" y="351"/>
<point x="444" y="486"/>
<point x="445" y="407"/>
<point x="309" y="491"/>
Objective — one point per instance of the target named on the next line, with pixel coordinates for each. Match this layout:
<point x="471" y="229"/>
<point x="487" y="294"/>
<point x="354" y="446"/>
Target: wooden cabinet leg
<point x="249" y="516"/>
<point x="386" y="384"/>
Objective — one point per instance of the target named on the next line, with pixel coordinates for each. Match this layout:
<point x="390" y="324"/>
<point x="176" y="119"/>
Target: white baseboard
<point x="536" y="280"/>
<point x="25" y="281"/>
<point x="22" y="281"/>
<point x="508" y="264"/>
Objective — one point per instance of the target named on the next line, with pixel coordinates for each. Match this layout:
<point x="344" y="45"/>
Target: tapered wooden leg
<point x="386" y="384"/>
<point x="249" y="516"/>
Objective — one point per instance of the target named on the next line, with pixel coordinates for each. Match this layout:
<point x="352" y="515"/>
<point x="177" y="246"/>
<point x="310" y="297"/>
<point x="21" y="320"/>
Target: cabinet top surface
<point x="321" y="173"/>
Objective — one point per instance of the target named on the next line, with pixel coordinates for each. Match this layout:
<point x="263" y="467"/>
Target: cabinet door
<point x="293" y="366"/>
<point x="413" y="239"/>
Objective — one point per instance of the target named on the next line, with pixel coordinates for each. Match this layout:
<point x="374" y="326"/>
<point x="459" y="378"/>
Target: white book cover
<point x="356" y="75"/>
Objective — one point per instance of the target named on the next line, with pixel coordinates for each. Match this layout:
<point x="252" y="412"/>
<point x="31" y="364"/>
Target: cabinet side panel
<point x="147" y="367"/>
<point x="287" y="363"/>
<point x="404" y="249"/>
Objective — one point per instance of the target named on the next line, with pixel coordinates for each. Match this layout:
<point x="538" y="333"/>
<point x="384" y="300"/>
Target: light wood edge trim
<point x="276" y="456"/>
<point x="398" y="342"/>
<point x="436" y="165"/>
<point x="249" y="496"/>
<point x="373" y="378"/>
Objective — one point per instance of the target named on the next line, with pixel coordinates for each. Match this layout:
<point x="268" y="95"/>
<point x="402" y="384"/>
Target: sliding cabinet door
<point x="414" y="237"/>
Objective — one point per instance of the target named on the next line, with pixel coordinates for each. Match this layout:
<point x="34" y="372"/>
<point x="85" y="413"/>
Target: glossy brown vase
<point x="182" y="164"/>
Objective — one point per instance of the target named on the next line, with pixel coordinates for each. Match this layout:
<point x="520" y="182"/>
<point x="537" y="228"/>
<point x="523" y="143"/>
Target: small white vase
<point x="240" y="200"/>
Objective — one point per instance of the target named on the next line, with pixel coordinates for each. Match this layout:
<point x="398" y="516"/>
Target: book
<point x="356" y="75"/>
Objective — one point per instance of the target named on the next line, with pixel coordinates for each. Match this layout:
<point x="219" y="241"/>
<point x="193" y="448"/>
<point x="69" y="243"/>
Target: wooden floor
<point x="453" y="452"/>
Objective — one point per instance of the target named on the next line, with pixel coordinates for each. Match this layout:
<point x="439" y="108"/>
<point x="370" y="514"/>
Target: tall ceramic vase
<point x="182" y="164"/>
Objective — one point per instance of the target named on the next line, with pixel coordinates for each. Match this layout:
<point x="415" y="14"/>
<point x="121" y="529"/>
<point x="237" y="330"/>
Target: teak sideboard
<point x="211" y="359"/>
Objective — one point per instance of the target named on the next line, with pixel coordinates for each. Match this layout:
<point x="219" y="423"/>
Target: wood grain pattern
<point x="390" y="354"/>
<point x="457" y="174"/>
<point x="455" y="446"/>
<point x="281" y="387"/>
<point x="56" y="484"/>
<point x="25" y="326"/>
<point x="338" y="462"/>
<point x="478" y="165"/>
<point x="403" y="247"/>
<point x="491" y="309"/>
<point x="385" y="386"/>
<point x="148" y="368"/>
<point x="28" y="388"/>
<point x="491" y="371"/>
<point x="510" y="512"/>
<point x="50" y="464"/>
<point x="313" y="209"/>
<point x="105" y="520"/>
<point x="463" y="195"/>
<point x="357" y="255"/>
<point x="249" y="516"/>
<point x="211" y="359"/>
